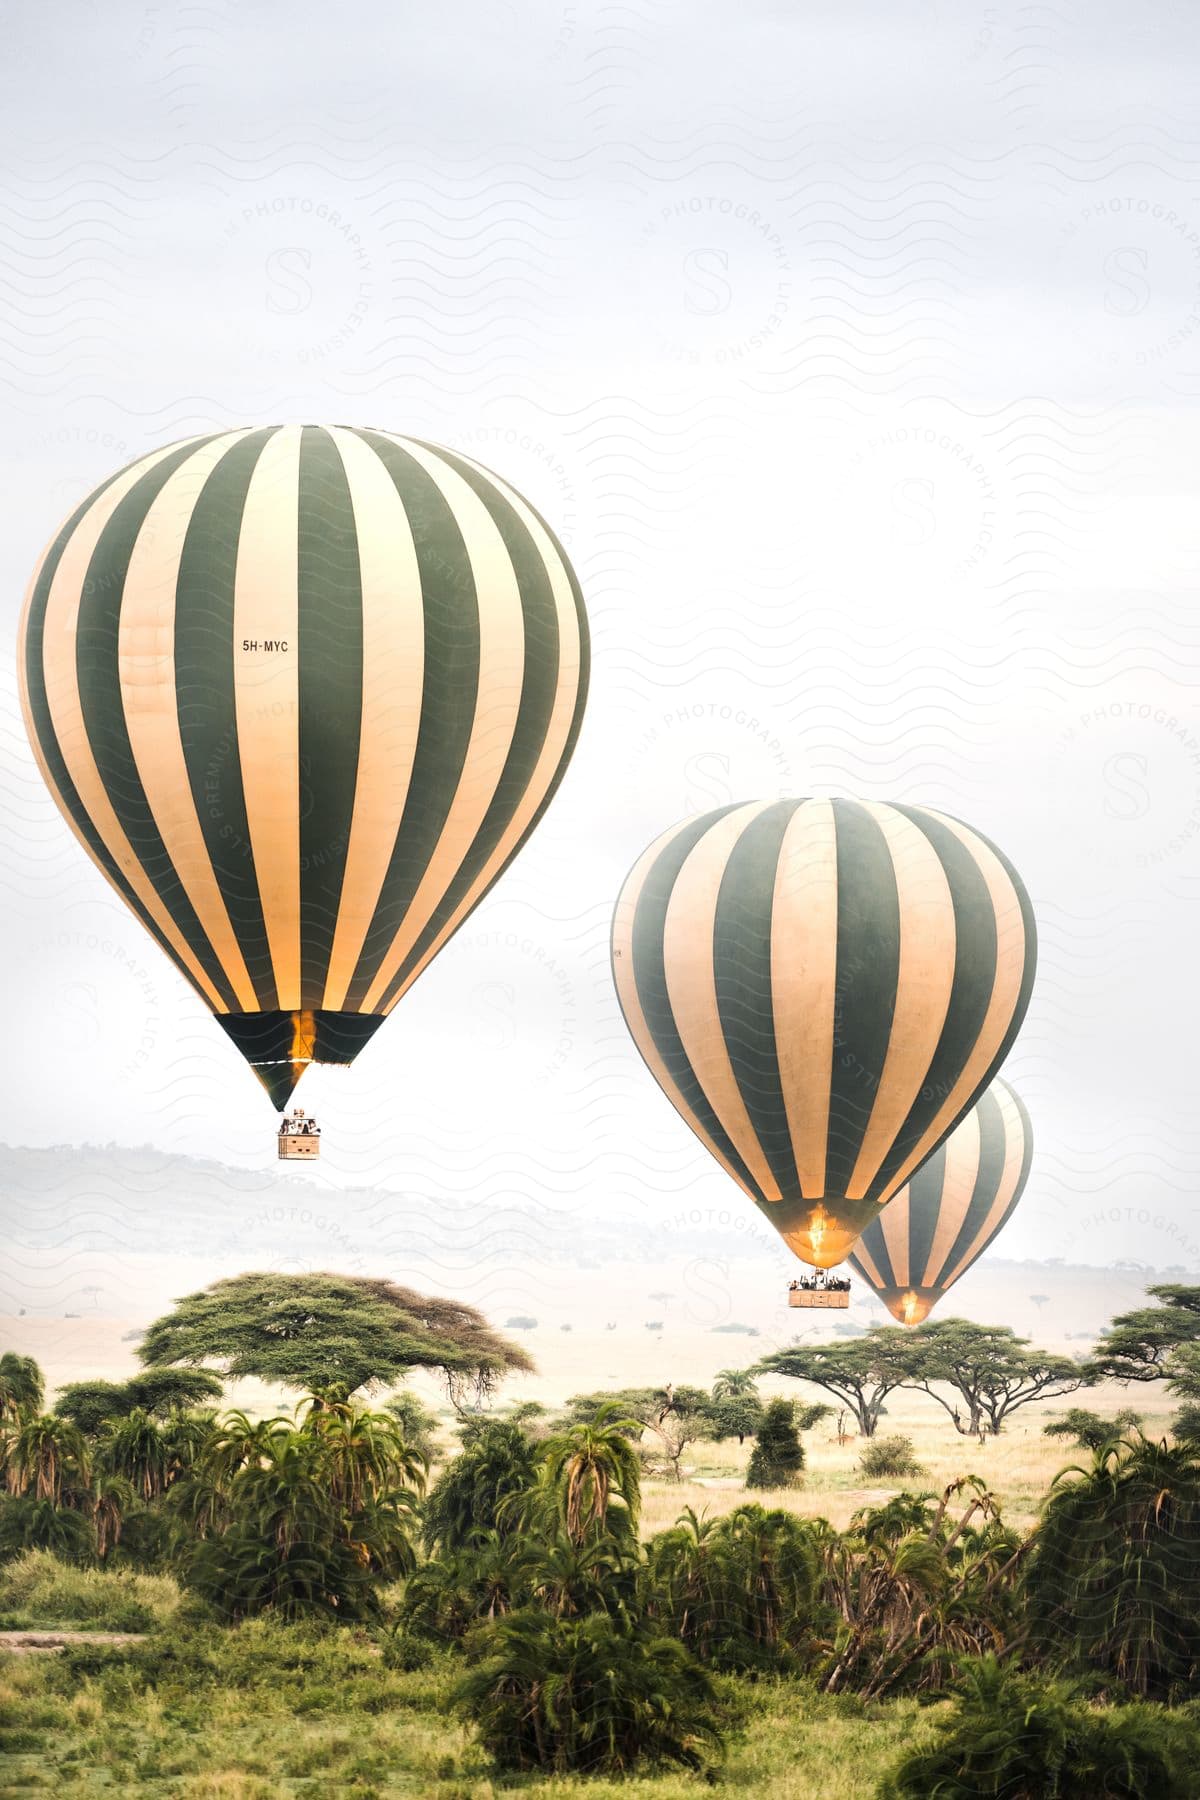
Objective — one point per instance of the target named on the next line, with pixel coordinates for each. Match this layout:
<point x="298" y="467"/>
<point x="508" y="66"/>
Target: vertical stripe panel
<point x="329" y="659"/>
<point x="502" y="661"/>
<point x="148" y="676"/>
<point x="449" y="695"/>
<point x="804" y="923"/>
<point x="205" y="662"/>
<point x="893" y="1224"/>
<point x="547" y="721"/>
<point x="39" y="728"/>
<point x="868" y="966"/>
<point x="60" y="630"/>
<point x="266" y="696"/>
<point x="864" y="1261"/>
<point x="393" y="651"/>
<point x="688" y="933"/>
<point x="937" y="1222"/>
<point x="1003" y="1013"/>
<point x="926" y="973"/>
<point x="640" y="973"/>
<point x="742" y="972"/>
<point x="1017" y="1156"/>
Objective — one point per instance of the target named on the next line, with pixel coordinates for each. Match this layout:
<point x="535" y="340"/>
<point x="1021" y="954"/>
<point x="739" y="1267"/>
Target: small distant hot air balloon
<point x="951" y="1210"/>
<point x="823" y="988"/>
<point x="302" y="693"/>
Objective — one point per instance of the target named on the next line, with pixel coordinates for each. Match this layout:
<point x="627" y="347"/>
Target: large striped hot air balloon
<point x="951" y="1210"/>
<point x="823" y="988"/>
<point x="302" y="693"/>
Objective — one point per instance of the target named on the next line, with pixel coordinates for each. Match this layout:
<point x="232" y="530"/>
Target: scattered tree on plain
<point x="859" y="1372"/>
<point x="989" y="1368"/>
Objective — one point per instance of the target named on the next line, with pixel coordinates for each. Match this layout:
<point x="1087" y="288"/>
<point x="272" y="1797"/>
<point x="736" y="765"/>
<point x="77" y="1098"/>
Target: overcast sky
<point x="855" y="353"/>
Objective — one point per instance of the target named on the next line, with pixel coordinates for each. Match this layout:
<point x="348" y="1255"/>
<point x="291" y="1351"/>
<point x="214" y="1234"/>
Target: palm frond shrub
<point x="588" y="1481"/>
<point x="914" y="1587"/>
<point x="311" y="1518"/>
<point x="1013" y="1736"/>
<point x="447" y="1596"/>
<point x="594" y="1695"/>
<point x="467" y="1502"/>
<point x="742" y="1592"/>
<point x="27" y="1523"/>
<point x="1113" y="1577"/>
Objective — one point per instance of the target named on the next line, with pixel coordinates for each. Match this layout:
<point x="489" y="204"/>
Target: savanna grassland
<point x="852" y="1568"/>
<point x="186" y="1708"/>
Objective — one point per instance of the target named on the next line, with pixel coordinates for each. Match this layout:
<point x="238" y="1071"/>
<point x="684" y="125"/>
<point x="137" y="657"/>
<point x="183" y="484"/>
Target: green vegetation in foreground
<point x="307" y="1619"/>
<point x="266" y="1709"/>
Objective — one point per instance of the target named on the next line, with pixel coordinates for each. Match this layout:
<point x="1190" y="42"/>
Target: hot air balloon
<point x="302" y="693"/>
<point x="823" y="988"/>
<point x="951" y="1210"/>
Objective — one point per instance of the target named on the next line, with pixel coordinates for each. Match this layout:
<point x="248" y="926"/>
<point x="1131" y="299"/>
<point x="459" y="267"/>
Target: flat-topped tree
<point x="332" y="1335"/>
<point x="990" y="1372"/>
<point x="860" y="1372"/>
<point x="158" y="1392"/>
<point x="1144" y="1345"/>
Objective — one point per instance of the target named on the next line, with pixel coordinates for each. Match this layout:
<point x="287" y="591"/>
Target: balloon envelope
<point x="951" y="1210"/>
<point x="302" y="693"/>
<point x="823" y="988"/>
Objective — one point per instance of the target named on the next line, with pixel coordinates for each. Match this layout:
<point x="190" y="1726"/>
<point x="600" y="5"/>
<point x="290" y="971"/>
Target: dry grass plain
<point x="1018" y="1466"/>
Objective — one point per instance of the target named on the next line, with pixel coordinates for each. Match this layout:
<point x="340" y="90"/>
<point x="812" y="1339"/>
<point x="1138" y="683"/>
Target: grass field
<point x="268" y="1711"/>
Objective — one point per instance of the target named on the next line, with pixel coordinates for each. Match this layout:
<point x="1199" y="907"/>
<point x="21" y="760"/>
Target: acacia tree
<point x="736" y="1415"/>
<point x="1144" y="1345"/>
<point x="156" y="1392"/>
<point x="989" y="1369"/>
<point x="860" y="1372"/>
<point x="332" y="1335"/>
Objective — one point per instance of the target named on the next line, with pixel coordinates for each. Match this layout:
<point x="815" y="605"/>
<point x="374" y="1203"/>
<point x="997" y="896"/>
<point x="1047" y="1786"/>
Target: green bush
<point x="593" y="1695"/>
<point x="38" y="1589"/>
<point x="400" y="1650"/>
<point x="1017" y="1737"/>
<point x="777" y="1459"/>
<point x="28" y="1524"/>
<point x="1090" y="1430"/>
<point x="1185" y="1426"/>
<point x="882" y="1457"/>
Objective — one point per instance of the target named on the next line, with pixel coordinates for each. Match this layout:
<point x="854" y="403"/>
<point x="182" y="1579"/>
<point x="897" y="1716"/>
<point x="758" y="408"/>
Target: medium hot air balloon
<point x="823" y="988"/>
<point x="950" y="1211"/>
<point x="302" y="693"/>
